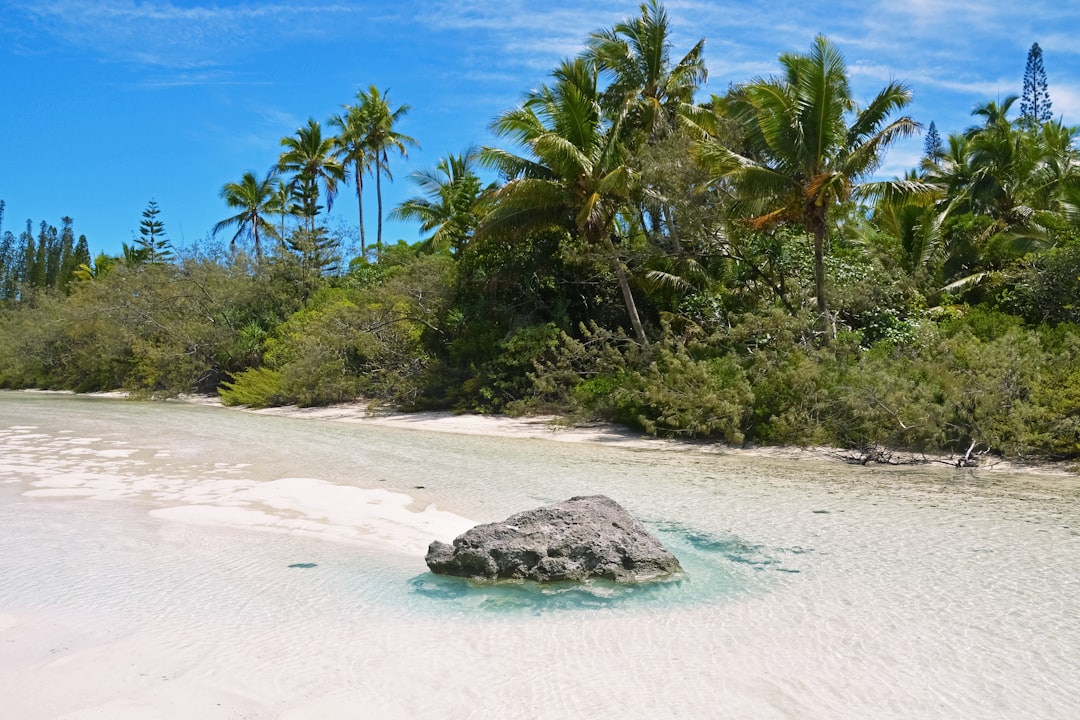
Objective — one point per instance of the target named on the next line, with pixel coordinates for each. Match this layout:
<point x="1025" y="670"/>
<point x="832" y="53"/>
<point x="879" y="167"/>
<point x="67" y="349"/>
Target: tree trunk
<point x="378" y="195"/>
<point x="628" y="296"/>
<point x="673" y="232"/>
<point x="819" y="270"/>
<point x="816" y="222"/>
<point x="360" y="207"/>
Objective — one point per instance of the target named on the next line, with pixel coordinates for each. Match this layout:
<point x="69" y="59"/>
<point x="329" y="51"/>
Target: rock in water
<point x="577" y="539"/>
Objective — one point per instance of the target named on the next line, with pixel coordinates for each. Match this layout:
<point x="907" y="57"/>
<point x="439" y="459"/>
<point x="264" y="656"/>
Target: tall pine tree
<point x="933" y="148"/>
<point x="1035" y="100"/>
<point x="153" y="246"/>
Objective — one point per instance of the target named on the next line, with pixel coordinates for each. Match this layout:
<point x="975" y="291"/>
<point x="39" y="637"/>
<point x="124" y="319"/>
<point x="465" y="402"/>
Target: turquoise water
<point x="714" y="571"/>
<point x="811" y="589"/>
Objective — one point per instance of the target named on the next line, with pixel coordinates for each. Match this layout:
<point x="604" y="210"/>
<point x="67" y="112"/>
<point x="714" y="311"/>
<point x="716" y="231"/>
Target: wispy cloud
<point x="203" y="77"/>
<point x="523" y="33"/>
<point x="167" y="35"/>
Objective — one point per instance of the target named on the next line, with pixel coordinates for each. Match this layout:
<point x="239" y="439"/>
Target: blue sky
<point x="110" y="104"/>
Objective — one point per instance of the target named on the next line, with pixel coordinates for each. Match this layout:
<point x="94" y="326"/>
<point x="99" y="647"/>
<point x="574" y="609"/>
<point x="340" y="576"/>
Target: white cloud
<point x="1065" y="101"/>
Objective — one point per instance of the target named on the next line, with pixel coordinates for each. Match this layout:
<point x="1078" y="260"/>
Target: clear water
<point x="812" y="589"/>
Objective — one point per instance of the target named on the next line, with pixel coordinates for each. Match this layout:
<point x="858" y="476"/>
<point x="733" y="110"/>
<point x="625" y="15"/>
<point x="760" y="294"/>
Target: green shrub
<point x="257" y="388"/>
<point x="680" y="395"/>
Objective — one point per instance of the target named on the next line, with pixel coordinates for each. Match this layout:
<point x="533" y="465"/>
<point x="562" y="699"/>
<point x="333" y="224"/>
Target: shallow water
<point x="176" y="561"/>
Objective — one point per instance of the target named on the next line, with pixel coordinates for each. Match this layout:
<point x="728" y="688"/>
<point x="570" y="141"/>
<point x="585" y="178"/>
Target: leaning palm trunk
<point x="624" y="285"/>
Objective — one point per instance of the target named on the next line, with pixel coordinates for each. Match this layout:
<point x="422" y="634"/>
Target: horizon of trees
<point x="774" y="289"/>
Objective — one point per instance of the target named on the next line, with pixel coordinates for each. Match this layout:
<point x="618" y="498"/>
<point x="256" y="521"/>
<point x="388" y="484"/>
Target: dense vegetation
<point x="727" y="268"/>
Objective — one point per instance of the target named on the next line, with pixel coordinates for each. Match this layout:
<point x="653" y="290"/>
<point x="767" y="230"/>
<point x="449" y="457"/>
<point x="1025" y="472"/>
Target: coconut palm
<point x="1017" y="173"/>
<point x="656" y="95"/>
<point x="807" y="146"/>
<point x="310" y="158"/>
<point x="636" y="55"/>
<point x="282" y="203"/>
<point x="1020" y="167"/>
<point x="254" y="200"/>
<point x="449" y="210"/>
<point x="354" y="153"/>
<point x="379" y="138"/>
<point x="914" y="221"/>
<point x="574" y="174"/>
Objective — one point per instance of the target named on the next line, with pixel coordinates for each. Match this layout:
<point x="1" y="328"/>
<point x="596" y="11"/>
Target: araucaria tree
<point x="933" y="147"/>
<point x="808" y="148"/>
<point x="152" y="245"/>
<point x="1035" y="100"/>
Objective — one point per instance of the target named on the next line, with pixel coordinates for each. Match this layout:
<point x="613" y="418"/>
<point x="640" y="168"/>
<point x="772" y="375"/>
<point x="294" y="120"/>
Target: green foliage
<point x="665" y="389"/>
<point x="504" y="384"/>
<point x="873" y="300"/>
<point x="681" y="395"/>
<point x="1046" y="287"/>
<point x="255" y="387"/>
<point x="364" y="338"/>
<point x="159" y="330"/>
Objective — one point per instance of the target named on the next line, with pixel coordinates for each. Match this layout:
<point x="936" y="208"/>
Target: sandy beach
<point x="551" y="427"/>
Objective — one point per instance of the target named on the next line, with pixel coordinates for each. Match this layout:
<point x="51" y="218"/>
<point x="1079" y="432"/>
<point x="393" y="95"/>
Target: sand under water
<point x="165" y="560"/>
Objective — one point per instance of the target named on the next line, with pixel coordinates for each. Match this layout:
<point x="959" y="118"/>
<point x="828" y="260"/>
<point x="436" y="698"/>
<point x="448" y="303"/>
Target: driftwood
<point x="874" y="454"/>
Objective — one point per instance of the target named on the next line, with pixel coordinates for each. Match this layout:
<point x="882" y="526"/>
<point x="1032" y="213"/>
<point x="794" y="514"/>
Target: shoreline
<point x="548" y="427"/>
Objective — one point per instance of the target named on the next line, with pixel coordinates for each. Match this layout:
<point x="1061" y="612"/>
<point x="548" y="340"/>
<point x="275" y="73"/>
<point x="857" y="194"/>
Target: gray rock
<point x="577" y="539"/>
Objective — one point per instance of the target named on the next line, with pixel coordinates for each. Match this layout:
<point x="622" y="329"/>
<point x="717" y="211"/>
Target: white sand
<point x="551" y="427"/>
<point x="306" y="506"/>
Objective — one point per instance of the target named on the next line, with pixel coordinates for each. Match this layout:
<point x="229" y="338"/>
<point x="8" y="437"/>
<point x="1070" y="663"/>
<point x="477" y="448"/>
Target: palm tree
<point x="310" y="158"/>
<point x="379" y="138"/>
<point x="656" y="96"/>
<point x="281" y="204"/>
<point x="574" y="175"/>
<point x="914" y="221"/>
<point x="808" y="146"/>
<point x="354" y="153"/>
<point x="636" y="54"/>
<point x="254" y="199"/>
<point x="1014" y="172"/>
<point x="449" y="210"/>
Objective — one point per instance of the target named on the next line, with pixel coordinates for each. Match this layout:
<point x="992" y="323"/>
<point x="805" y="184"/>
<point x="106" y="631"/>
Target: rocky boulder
<point x="577" y="539"/>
